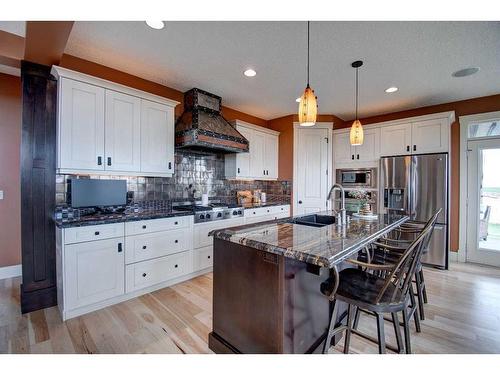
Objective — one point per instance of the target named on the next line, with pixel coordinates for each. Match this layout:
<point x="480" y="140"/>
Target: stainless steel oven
<point x="357" y="177"/>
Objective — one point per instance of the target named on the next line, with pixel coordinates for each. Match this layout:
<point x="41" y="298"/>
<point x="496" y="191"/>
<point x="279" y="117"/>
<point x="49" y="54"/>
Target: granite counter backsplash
<point x="194" y="174"/>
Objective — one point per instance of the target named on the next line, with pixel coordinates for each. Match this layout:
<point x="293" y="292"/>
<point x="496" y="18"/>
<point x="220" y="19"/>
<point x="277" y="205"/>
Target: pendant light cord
<point x="308" y="53"/>
<point x="357" y="93"/>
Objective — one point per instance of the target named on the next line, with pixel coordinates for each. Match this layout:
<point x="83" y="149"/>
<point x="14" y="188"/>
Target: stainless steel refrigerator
<point x="417" y="185"/>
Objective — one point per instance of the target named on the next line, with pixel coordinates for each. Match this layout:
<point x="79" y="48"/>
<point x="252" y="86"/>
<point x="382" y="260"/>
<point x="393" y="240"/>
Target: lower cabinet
<point x="260" y="214"/>
<point x="203" y="258"/>
<point x="94" y="272"/>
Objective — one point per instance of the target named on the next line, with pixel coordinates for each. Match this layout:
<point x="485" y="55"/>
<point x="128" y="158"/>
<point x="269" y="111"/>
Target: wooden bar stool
<point x="379" y="289"/>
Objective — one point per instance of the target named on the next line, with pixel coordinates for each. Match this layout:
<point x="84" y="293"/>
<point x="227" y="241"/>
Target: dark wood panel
<point x="38" y="155"/>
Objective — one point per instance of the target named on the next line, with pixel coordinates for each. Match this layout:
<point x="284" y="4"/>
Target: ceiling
<point x="417" y="57"/>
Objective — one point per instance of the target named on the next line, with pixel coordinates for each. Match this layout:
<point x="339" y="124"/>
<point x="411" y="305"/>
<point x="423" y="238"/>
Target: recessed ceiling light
<point x="465" y="72"/>
<point x="298" y="99"/>
<point x="158" y="25"/>
<point x="250" y="73"/>
<point x="391" y="89"/>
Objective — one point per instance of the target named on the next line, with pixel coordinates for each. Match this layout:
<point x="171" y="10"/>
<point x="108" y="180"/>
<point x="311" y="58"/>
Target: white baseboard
<point x="10" y="271"/>
<point x="453" y="256"/>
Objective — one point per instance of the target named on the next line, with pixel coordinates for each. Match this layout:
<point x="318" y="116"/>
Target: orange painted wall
<point x="461" y="108"/>
<point x="10" y="141"/>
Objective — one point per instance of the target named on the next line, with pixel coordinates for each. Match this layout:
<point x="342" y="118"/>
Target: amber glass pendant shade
<point x="308" y="108"/>
<point x="357" y="136"/>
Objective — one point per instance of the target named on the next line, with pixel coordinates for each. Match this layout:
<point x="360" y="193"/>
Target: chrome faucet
<point x="342" y="217"/>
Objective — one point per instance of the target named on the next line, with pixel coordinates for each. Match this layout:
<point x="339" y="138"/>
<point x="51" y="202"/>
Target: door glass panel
<point x="489" y="208"/>
<point x="484" y="129"/>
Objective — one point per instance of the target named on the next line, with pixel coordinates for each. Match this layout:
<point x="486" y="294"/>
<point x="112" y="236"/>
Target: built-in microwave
<point x="359" y="177"/>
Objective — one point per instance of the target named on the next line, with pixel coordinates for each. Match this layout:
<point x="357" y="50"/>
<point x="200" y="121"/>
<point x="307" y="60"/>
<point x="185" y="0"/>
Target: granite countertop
<point x="323" y="246"/>
<point x="97" y="219"/>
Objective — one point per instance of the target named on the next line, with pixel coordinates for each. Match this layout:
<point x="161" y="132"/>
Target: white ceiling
<point x="417" y="57"/>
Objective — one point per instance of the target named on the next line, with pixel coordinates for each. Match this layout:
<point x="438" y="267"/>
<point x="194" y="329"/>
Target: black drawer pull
<point x="352" y="156"/>
<point x="144" y="247"/>
<point x="143" y="227"/>
<point x="120" y="247"/>
<point x="267" y="210"/>
<point x="109" y="161"/>
<point x="144" y="274"/>
<point x="176" y="223"/>
<point x="99" y="160"/>
<point x="176" y="241"/>
<point x="209" y="257"/>
<point x="96" y="233"/>
<point x="176" y="265"/>
<point x="407" y="148"/>
<point x="414" y="147"/>
<point x="238" y="170"/>
<point x="357" y="156"/>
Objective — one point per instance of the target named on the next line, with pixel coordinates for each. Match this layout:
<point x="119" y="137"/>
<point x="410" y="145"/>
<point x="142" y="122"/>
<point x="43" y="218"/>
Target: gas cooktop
<point x="211" y="212"/>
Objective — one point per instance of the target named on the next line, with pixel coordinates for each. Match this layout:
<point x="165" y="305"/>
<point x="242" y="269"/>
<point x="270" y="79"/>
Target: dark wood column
<point x="38" y="155"/>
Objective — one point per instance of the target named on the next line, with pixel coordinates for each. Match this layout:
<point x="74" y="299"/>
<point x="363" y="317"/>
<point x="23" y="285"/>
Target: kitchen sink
<point x="314" y="220"/>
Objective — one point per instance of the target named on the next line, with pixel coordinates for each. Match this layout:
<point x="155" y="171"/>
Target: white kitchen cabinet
<point x="261" y="162"/>
<point x="395" y="139"/>
<point x="80" y="126"/>
<point x="345" y="154"/>
<point x="93" y="272"/>
<point x="203" y="258"/>
<point x="157" y="138"/>
<point x="107" y="128"/>
<point x="122" y="132"/>
<point x="430" y="136"/>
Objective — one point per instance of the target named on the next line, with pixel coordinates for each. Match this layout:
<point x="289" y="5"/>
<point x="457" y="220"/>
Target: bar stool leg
<point x="356" y="318"/>
<point x="420" y="295"/>
<point x="397" y="331"/>
<point x="424" y="289"/>
<point x="380" y="333"/>
<point x="331" y="327"/>
<point x="406" y="326"/>
<point x="416" y="317"/>
<point x="347" y="341"/>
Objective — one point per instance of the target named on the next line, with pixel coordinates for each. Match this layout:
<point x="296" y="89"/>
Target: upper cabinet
<point x="395" y="140"/>
<point x="344" y="153"/>
<point x="261" y="162"/>
<point x="430" y="136"/>
<point x="105" y="127"/>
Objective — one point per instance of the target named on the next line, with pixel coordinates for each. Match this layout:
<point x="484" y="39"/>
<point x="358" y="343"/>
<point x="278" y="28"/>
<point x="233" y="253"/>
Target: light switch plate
<point x="1" y="194"/>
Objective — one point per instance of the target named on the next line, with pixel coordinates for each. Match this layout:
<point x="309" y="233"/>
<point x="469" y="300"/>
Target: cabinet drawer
<point x="93" y="232"/>
<point x="153" y="245"/>
<point x="203" y="258"/>
<point x="157" y="225"/>
<point x="263" y="211"/>
<point x="155" y="271"/>
<point x="201" y="231"/>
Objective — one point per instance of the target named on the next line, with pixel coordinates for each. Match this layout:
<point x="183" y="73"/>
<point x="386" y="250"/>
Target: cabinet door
<point x="243" y="158"/>
<point x="369" y="150"/>
<point x="271" y="156"/>
<point x="430" y="136"/>
<point x="257" y="155"/>
<point x="157" y="138"/>
<point x="81" y="126"/>
<point x="395" y="140"/>
<point x="122" y="132"/>
<point x="343" y="152"/>
<point x="94" y="271"/>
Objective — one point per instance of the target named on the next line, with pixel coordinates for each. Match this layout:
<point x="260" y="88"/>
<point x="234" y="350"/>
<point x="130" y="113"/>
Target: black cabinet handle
<point x="267" y="210"/>
<point x="176" y="265"/>
<point x="144" y="247"/>
<point x="143" y="227"/>
<point x="99" y="160"/>
<point x="414" y="147"/>
<point x="169" y="165"/>
<point x="176" y="223"/>
<point x="357" y="156"/>
<point x="109" y="160"/>
<point x="120" y="247"/>
<point x="300" y="202"/>
<point x="176" y="241"/>
<point x="407" y="148"/>
<point x="96" y="233"/>
<point x="352" y="156"/>
<point x="144" y="274"/>
<point x="209" y="257"/>
<point x="264" y="172"/>
<point x="238" y="170"/>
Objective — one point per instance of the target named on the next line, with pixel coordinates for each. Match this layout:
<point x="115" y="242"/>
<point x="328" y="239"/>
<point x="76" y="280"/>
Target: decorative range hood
<point x="201" y="126"/>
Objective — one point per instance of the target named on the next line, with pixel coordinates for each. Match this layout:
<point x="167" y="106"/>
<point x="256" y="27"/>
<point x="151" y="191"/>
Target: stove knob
<point x="239" y="212"/>
<point x="208" y="216"/>
<point x="219" y="214"/>
<point x="202" y="216"/>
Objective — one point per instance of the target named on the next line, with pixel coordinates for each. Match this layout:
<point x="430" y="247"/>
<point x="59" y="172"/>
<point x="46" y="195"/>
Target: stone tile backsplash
<point x="194" y="174"/>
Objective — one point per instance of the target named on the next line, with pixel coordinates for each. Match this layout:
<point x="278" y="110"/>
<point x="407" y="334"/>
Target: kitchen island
<point x="267" y="278"/>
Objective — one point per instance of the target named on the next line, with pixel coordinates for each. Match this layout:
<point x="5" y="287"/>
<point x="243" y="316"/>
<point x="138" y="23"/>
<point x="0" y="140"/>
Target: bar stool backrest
<point x="403" y="271"/>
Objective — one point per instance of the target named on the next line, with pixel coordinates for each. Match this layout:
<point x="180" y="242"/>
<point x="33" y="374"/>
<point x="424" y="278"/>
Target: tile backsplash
<point x="194" y="174"/>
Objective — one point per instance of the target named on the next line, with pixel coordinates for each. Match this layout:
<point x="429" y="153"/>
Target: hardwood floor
<point x="463" y="316"/>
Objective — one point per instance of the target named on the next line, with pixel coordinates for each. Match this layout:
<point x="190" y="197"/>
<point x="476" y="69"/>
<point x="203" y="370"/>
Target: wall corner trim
<point x="10" y="271"/>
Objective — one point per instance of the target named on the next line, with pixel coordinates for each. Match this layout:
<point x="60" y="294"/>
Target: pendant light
<point x="308" y="106"/>
<point x="356" y="135"/>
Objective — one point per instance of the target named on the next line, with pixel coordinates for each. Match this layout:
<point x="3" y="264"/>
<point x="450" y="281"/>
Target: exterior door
<point x="312" y="170"/>
<point x="122" y="132"/>
<point x="157" y="138"/>
<point x="483" y="202"/>
<point x="81" y="124"/>
<point x="395" y="140"/>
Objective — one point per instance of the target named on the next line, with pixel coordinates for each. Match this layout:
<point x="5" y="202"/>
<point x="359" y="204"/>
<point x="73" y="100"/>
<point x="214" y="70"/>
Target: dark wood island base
<point x="266" y="303"/>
